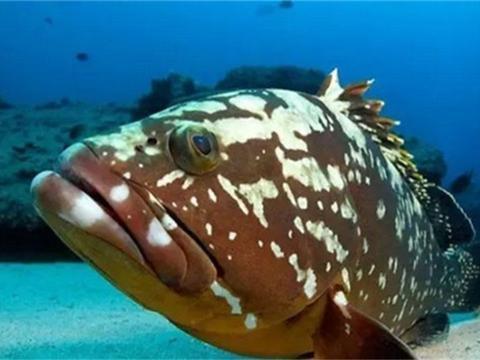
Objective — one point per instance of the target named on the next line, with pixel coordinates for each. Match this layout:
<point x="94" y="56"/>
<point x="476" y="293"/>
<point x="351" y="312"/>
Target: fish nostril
<point x="151" y="141"/>
<point x="139" y="148"/>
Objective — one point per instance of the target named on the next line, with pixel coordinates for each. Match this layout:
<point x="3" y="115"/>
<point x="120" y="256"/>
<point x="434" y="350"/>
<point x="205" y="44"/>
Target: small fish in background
<point x="286" y="4"/>
<point x="82" y="56"/>
<point x="48" y="20"/>
<point x="270" y="8"/>
<point x="462" y="182"/>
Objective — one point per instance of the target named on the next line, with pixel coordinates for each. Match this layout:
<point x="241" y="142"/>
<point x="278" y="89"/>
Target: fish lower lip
<point x="202" y="269"/>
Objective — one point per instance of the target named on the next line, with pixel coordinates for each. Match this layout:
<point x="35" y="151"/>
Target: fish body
<point x="262" y="220"/>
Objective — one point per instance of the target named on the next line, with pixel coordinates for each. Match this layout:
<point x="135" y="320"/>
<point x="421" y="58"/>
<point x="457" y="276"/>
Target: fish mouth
<point x="86" y="194"/>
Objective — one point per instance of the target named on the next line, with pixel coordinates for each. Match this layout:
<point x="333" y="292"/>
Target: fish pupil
<point x="202" y="144"/>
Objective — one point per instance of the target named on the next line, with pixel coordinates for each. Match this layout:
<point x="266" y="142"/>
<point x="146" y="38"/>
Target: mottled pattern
<point x="302" y="199"/>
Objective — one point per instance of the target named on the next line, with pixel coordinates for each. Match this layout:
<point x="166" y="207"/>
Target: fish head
<point x="203" y="211"/>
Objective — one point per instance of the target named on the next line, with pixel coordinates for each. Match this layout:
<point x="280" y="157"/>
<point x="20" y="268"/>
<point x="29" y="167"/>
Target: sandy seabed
<point x="66" y="310"/>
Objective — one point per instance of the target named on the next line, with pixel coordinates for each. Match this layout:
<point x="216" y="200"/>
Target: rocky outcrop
<point x="281" y="77"/>
<point x="429" y="160"/>
<point x="164" y="92"/>
<point x="4" y="104"/>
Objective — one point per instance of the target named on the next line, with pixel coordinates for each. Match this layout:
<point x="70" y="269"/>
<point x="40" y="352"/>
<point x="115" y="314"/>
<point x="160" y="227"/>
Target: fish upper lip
<point x="84" y="186"/>
<point x="176" y="255"/>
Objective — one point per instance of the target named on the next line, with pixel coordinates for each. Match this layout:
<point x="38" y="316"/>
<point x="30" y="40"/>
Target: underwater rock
<point x="4" y="104"/>
<point x="31" y="140"/>
<point x="164" y="92"/>
<point x="462" y="182"/>
<point x="63" y="102"/>
<point x="281" y="77"/>
<point x="429" y="160"/>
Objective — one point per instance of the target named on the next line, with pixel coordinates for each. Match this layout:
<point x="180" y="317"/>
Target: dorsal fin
<point x="451" y="224"/>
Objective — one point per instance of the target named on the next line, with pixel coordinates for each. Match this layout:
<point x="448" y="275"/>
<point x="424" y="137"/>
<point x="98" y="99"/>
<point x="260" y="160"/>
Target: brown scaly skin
<point x="242" y="249"/>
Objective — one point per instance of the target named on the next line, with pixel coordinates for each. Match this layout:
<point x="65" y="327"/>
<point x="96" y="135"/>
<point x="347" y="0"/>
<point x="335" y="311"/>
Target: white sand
<point x="66" y="310"/>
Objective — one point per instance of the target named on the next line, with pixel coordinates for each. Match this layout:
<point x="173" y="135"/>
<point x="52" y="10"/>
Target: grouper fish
<point x="270" y="223"/>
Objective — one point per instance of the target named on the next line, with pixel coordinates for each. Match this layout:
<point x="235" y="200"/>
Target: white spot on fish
<point x="346" y="279"/>
<point x="340" y="299"/>
<point x="230" y="189"/>
<point x="208" y="229"/>
<point x="299" y="224"/>
<point x="347" y="211"/>
<point x="310" y="286"/>
<point x="256" y="193"/>
<point x="302" y="203"/>
<point x="289" y="194"/>
<point x="335" y="177"/>
<point x="381" y="209"/>
<point x="156" y="235"/>
<point x="84" y="212"/>
<point x="212" y="195"/>
<point x="168" y="223"/>
<point x="329" y="238"/>
<point x="119" y="193"/>
<point x="260" y="243"/>
<point x="250" y="321"/>
<point x="320" y="204"/>
<point x="382" y="281"/>
<point x="232" y="235"/>
<point x="277" y="250"/>
<point x="232" y="300"/>
<point x="188" y="181"/>
<point x="170" y="177"/>
<point x="365" y="245"/>
<point x="305" y="170"/>
<point x="334" y="207"/>
<point x="194" y="201"/>
<point x="248" y="102"/>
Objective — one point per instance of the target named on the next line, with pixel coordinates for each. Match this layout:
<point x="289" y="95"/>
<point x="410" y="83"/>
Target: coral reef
<point x="282" y="77"/>
<point x="4" y="104"/>
<point x="163" y="93"/>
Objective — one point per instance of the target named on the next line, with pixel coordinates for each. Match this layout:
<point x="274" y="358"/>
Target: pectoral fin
<point x="346" y="333"/>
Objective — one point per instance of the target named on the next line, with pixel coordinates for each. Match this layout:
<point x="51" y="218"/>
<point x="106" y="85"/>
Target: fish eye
<point x="202" y="144"/>
<point x="194" y="149"/>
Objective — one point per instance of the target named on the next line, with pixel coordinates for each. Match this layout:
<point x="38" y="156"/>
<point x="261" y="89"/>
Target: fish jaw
<point x="89" y="197"/>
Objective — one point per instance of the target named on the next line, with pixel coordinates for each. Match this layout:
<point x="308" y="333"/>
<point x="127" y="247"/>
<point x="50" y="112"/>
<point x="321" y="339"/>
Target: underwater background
<point x="72" y="69"/>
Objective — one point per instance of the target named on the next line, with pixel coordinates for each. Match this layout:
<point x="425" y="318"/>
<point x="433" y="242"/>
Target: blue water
<point x="425" y="56"/>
